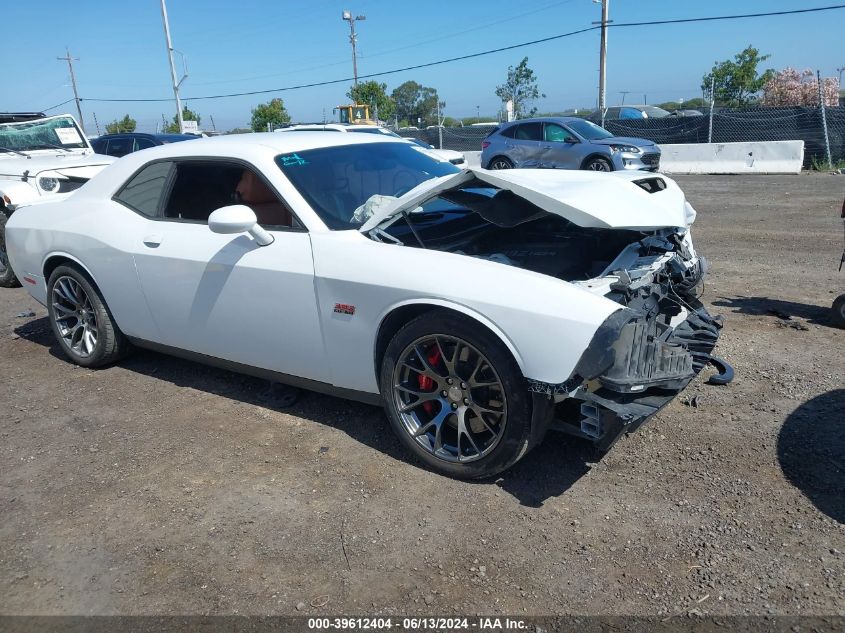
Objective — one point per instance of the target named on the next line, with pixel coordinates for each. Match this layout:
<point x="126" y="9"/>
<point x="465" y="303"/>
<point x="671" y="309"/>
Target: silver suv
<point x="566" y="143"/>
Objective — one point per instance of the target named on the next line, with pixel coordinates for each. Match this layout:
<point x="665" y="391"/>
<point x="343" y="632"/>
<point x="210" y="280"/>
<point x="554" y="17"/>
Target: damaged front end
<point x="643" y="355"/>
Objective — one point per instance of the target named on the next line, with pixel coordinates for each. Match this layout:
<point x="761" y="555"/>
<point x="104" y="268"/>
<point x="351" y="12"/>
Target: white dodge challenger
<point x="480" y="308"/>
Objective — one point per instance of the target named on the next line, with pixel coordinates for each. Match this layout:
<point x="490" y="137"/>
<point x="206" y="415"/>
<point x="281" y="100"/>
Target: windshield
<point x="58" y="132"/>
<point x="335" y="181"/>
<point x="589" y="131"/>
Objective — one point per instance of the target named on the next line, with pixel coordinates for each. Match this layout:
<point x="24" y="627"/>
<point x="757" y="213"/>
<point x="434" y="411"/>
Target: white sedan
<point x="480" y="308"/>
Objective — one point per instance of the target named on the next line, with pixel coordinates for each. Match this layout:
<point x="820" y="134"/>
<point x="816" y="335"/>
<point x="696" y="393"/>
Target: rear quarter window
<point x="142" y="193"/>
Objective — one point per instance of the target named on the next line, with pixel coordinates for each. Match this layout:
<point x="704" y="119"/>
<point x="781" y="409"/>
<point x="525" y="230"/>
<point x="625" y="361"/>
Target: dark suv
<point x="123" y="144"/>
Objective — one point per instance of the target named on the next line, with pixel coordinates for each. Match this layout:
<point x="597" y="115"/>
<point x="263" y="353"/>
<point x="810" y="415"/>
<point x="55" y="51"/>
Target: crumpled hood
<point x="588" y="199"/>
<point x="13" y="165"/>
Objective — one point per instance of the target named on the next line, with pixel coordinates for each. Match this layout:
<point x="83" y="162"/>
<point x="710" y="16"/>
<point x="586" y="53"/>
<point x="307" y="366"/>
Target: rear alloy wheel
<point x="838" y="311"/>
<point x="500" y="162"/>
<point x="598" y="164"/>
<point x="81" y="321"/>
<point x="455" y="396"/>
<point x="7" y="275"/>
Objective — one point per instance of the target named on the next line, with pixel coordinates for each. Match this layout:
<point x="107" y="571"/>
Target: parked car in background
<point x="40" y="157"/>
<point x="456" y="158"/>
<point x="126" y="143"/>
<point x="477" y="307"/>
<point x="566" y="143"/>
<point x="629" y="112"/>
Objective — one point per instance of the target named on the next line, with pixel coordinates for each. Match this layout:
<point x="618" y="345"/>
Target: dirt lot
<point x="160" y="486"/>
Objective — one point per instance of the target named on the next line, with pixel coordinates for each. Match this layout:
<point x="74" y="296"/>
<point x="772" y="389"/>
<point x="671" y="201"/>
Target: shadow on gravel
<point x="811" y="451"/>
<point x="785" y="310"/>
<point x="548" y="471"/>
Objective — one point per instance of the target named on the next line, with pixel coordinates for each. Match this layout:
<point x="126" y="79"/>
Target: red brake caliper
<point x="426" y="383"/>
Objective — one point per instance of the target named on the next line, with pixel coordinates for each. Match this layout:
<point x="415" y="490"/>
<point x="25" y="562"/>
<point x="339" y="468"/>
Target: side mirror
<point x="238" y="218"/>
<point x="571" y="139"/>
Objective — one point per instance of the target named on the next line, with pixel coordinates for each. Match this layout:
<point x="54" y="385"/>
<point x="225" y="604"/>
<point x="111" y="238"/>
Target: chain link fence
<point x="460" y="139"/>
<point x="728" y="125"/>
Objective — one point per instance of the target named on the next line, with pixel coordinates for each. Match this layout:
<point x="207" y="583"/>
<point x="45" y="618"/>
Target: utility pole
<point x="347" y="15"/>
<point x="176" y="83"/>
<point x="624" y="94"/>
<point x="605" y="9"/>
<point x="70" y="61"/>
<point x="712" y="107"/>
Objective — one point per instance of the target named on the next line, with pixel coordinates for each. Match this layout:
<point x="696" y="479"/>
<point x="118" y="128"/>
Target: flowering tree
<point x="791" y="88"/>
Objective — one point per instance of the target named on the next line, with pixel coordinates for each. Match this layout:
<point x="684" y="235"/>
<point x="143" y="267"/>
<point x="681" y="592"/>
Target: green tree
<point x="736" y="81"/>
<point x="187" y="115"/>
<point x="272" y="113"/>
<point x="521" y="88"/>
<point x="415" y="102"/>
<point x="118" y="126"/>
<point x="373" y="94"/>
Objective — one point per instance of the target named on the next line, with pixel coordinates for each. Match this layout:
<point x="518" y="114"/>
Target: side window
<point x="120" y="146"/>
<point x="508" y="132"/>
<point x="202" y="187"/>
<point x="142" y="192"/>
<point x="143" y="143"/>
<point x="529" y="132"/>
<point x="630" y="113"/>
<point x="555" y="133"/>
<point x="99" y="146"/>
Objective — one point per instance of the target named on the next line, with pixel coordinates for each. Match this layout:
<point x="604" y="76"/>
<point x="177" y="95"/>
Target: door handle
<point x="152" y="241"/>
<point x="547" y="146"/>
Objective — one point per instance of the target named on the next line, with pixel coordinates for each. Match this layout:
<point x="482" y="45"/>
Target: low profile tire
<point x="598" y="164"/>
<point x="838" y="311"/>
<point x="7" y="275"/>
<point x="81" y="321"/>
<point x="455" y="396"/>
<point x="501" y="162"/>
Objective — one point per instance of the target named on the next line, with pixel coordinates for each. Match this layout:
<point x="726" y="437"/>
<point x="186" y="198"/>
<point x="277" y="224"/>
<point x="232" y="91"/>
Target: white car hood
<point x="588" y="199"/>
<point x="83" y="165"/>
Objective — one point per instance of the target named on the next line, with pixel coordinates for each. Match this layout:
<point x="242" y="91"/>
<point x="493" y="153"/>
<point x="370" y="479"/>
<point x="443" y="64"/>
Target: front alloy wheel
<point x="450" y="398"/>
<point x="598" y="164"/>
<point x="455" y="396"/>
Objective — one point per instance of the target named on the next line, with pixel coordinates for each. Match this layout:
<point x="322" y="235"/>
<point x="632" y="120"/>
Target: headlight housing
<point x="48" y="184"/>
<point x="54" y="182"/>
<point x="628" y="149"/>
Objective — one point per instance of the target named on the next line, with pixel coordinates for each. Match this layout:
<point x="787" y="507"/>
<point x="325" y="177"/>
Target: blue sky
<point x="260" y="44"/>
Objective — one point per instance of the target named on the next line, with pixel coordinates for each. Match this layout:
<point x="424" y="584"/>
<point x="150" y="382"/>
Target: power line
<point x="481" y="54"/>
<point x="58" y="105"/>
<point x="379" y="74"/>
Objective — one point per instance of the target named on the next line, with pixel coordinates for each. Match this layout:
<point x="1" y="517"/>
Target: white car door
<point x="223" y="295"/>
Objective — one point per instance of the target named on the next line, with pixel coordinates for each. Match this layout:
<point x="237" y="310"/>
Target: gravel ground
<point x="160" y="486"/>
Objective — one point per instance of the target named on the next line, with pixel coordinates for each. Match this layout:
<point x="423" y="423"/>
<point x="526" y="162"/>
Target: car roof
<point x="544" y="119"/>
<point x="161" y="137"/>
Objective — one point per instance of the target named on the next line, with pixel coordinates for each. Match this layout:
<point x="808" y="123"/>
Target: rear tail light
<point x="485" y="144"/>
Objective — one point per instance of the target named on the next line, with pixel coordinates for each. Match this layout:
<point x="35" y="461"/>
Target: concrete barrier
<point x="764" y="157"/>
<point x="473" y="159"/>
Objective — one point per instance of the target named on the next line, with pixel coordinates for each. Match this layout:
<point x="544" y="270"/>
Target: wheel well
<point x="55" y="261"/>
<point x="395" y="320"/>
<point x="490" y="162"/>
<point x="592" y="156"/>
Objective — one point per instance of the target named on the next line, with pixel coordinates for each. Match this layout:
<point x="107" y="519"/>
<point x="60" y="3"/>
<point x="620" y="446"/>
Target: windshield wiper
<point x="50" y="146"/>
<point x="14" y="151"/>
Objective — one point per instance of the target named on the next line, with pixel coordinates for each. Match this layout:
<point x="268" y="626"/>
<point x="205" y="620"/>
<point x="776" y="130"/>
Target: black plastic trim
<point x="267" y="374"/>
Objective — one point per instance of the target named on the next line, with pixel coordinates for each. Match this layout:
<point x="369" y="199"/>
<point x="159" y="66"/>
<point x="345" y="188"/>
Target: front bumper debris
<point x="636" y="364"/>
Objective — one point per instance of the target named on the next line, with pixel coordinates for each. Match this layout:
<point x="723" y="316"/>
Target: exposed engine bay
<point x="644" y="354"/>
